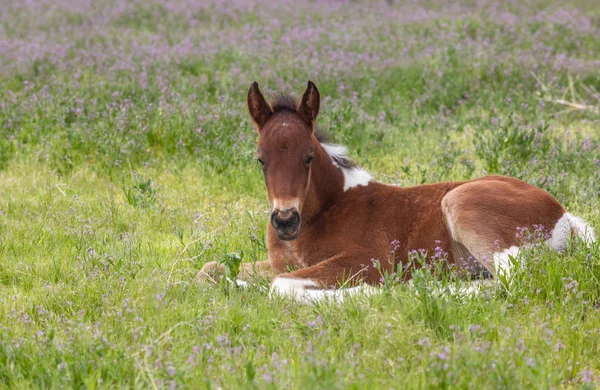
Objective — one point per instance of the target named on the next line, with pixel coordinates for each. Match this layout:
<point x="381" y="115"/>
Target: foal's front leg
<point x="347" y="269"/>
<point x="213" y="271"/>
<point x="278" y="263"/>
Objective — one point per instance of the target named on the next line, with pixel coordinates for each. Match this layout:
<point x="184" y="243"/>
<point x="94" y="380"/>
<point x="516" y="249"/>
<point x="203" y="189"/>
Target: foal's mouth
<point x="287" y="235"/>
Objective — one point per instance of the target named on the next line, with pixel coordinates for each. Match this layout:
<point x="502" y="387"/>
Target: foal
<point x="330" y="219"/>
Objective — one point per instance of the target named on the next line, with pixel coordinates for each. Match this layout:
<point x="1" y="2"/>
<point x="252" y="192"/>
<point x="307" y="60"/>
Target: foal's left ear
<point x="308" y="109"/>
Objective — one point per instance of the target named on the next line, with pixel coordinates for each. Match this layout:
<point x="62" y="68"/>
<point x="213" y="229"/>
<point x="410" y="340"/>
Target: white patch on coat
<point x="238" y="282"/>
<point x="356" y="177"/>
<point x="307" y="291"/>
<point x="503" y="260"/>
<point x="291" y="287"/>
<point x="353" y="177"/>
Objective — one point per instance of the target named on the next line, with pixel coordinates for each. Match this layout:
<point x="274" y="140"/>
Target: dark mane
<point x="344" y="161"/>
<point x="341" y="159"/>
<point x="284" y="103"/>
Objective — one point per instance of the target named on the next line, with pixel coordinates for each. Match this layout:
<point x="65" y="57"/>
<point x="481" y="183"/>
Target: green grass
<point x="127" y="162"/>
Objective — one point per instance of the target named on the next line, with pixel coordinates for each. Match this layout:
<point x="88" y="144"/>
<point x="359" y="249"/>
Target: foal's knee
<point x="211" y="272"/>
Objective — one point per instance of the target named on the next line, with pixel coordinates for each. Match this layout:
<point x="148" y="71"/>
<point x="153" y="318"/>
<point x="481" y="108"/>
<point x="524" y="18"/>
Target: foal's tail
<point x="581" y="229"/>
<point x="570" y="226"/>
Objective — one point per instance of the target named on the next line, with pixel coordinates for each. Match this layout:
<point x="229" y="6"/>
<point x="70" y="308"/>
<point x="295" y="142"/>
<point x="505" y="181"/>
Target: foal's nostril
<point x="274" y="219"/>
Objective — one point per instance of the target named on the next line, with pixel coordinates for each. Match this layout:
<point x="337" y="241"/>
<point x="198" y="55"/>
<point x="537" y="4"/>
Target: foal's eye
<point x="261" y="162"/>
<point x="310" y="159"/>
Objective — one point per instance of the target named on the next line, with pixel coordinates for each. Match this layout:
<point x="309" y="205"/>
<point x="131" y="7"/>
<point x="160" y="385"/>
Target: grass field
<point x="127" y="162"/>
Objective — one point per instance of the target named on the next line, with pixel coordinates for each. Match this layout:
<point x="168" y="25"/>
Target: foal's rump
<point x="489" y="218"/>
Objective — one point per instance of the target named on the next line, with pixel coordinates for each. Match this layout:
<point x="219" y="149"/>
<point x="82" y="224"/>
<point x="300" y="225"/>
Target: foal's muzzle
<point x="286" y="223"/>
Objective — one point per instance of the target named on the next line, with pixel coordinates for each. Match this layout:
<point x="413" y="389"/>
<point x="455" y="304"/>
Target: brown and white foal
<point x="330" y="219"/>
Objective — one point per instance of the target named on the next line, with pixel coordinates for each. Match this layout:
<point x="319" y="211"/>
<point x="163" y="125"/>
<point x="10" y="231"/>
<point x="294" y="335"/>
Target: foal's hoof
<point x="212" y="272"/>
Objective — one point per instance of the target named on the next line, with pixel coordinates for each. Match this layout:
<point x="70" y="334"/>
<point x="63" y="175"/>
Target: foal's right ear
<point x="260" y="111"/>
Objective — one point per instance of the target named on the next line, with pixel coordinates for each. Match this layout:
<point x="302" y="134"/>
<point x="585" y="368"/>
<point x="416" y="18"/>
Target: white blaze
<point x="286" y="204"/>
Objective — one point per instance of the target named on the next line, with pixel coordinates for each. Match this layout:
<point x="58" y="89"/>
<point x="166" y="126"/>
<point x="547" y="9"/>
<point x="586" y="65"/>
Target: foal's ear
<point x="308" y="109"/>
<point x="260" y="111"/>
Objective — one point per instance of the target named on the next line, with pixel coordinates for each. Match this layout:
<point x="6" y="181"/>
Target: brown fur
<point x="342" y="232"/>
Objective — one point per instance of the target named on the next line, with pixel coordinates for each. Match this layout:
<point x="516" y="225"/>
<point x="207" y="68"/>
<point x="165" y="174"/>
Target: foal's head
<point x="286" y="150"/>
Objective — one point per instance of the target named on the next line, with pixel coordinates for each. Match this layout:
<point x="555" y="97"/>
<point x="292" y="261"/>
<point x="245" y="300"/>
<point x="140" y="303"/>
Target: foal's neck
<point x="326" y="184"/>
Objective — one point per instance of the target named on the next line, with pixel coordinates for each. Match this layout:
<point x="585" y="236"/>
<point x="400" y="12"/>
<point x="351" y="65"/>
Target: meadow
<point x="127" y="161"/>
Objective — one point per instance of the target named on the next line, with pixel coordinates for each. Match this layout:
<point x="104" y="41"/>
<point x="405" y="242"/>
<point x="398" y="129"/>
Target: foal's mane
<point x="283" y="103"/>
<point x="288" y="103"/>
